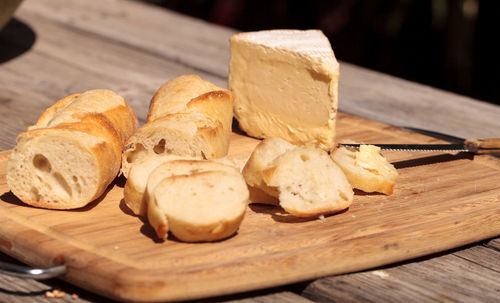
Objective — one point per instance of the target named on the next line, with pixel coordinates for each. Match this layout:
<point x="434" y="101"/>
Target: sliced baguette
<point x="135" y="187"/>
<point x="187" y="117"/>
<point x="263" y="154"/>
<point x="69" y="157"/>
<point x="366" y="169"/>
<point x="202" y="206"/>
<point x="309" y="183"/>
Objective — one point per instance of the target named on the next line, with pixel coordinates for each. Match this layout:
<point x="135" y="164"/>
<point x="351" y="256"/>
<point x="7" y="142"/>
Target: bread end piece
<point x="59" y="168"/>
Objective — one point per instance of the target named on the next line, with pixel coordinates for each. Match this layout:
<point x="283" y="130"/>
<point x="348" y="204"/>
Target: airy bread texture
<point x="304" y="179"/>
<point x="73" y="152"/>
<point x="196" y="200"/>
<point x="366" y="169"/>
<point x="187" y="117"/>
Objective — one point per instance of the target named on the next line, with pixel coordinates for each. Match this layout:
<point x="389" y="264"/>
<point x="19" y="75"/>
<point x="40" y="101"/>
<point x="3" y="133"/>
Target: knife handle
<point x="477" y="144"/>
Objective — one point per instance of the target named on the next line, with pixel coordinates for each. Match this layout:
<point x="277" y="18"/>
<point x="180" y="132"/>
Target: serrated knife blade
<point x="473" y="145"/>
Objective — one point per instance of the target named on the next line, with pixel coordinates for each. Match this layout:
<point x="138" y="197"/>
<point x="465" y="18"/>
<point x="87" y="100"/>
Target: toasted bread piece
<point x="366" y="169"/>
<point x="309" y="183"/>
<point x="263" y="154"/>
<point x="69" y="157"/>
<point x="202" y="206"/>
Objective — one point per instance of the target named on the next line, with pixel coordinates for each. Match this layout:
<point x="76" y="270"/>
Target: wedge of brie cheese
<point x="285" y="84"/>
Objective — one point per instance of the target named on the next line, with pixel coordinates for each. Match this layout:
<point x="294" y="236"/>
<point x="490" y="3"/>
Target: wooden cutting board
<point x="441" y="201"/>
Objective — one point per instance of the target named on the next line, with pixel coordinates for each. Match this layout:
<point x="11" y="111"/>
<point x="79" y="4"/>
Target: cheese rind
<point x="285" y="84"/>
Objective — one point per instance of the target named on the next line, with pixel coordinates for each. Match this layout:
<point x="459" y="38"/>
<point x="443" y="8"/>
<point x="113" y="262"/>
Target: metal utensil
<point x="473" y="145"/>
<point x="32" y="273"/>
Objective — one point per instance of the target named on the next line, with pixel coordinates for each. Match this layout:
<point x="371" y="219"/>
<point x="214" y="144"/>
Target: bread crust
<point x="362" y="178"/>
<point x="175" y="94"/>
<point x="70" y="129"/>
<point x="183" y="99"/>
<point x="255" y="169"/>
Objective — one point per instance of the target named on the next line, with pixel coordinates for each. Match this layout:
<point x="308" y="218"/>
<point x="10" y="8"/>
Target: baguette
<point x="366" y="169"/>
<point x="187" y="117"/>
<point x="73" y="152"/>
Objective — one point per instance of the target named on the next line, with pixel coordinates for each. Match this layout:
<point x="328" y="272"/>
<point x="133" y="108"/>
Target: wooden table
<point x="54" y="48"/>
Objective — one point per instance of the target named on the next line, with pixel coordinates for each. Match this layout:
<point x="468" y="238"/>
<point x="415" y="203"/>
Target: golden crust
<point x="175" y="94"/>
<point x="98" y="135"/>
<point x="184" y="100"/>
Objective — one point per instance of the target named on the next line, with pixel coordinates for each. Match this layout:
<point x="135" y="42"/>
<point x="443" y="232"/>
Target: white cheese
<point x="285" y="84"/>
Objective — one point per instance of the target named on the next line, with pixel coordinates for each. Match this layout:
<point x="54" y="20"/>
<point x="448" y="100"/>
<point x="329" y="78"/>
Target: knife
<point x="474" y="145"/>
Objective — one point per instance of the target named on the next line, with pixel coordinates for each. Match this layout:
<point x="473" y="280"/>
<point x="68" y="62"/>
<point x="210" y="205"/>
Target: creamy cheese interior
<point x="285" y="86"/>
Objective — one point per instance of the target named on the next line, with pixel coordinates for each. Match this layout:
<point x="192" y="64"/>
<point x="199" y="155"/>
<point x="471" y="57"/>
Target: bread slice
<point x="202" y="206"/>
<point x="70" y="156"/>
<point x="182" y="167"/>
<point x="263" y="154"/>
<point x="366" y="169"/>
<point x="309" y="182"/>
<point x="187" y="117"/>
<point x="135" y="187"/>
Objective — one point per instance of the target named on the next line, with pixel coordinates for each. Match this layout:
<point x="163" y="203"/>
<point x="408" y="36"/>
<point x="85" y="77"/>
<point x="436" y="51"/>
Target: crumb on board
<point x="56" y="293"/>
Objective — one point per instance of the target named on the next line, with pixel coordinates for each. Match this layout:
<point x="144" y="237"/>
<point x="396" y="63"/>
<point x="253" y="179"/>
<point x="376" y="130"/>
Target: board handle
<point x="478" y="144"/>
<point x="32" y="273"/>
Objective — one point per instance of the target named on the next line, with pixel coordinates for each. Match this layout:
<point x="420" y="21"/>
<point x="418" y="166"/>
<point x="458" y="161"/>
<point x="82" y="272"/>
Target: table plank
<point x="446" y="278"/>
<point x="178" y="38"/>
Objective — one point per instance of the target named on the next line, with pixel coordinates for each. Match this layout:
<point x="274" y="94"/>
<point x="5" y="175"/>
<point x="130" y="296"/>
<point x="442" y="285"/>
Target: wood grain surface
<point x="61" y="47"/>
<point x="435" y="207"/>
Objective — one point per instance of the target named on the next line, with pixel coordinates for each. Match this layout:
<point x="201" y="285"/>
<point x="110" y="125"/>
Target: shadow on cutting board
<point x="432" y="160"/>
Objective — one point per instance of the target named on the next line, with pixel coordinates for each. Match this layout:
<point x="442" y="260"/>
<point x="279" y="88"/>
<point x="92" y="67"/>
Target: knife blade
<point x="473" y="145"/>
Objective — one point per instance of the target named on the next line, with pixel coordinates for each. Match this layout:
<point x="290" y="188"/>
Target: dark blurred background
<point x="449" y="44"/>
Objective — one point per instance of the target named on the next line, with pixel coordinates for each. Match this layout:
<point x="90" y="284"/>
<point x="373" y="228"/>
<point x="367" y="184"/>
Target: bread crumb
<point x="380" y="273"/>
<point x="49" y="294"/>
<point x="321" y="217"/>
<point x="354" y="216"/>
<point x="74" y="296"/>
<point x="56" y="293"/>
